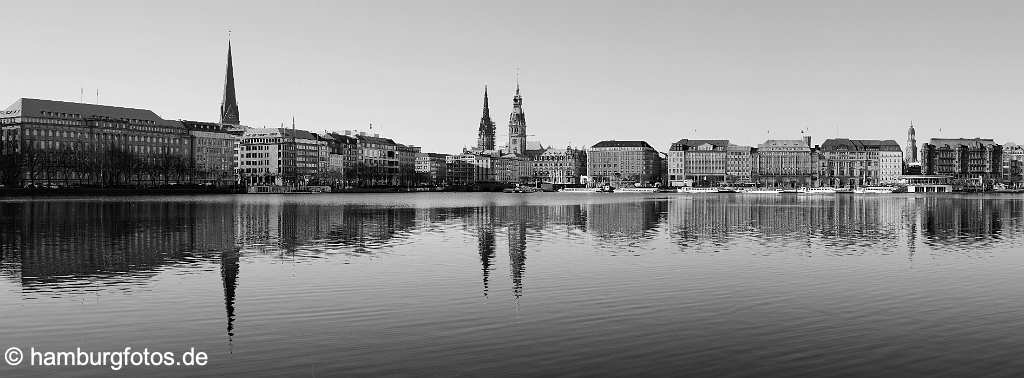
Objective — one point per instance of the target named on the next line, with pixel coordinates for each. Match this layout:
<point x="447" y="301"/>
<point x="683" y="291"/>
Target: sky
<point x="658" y="71"/>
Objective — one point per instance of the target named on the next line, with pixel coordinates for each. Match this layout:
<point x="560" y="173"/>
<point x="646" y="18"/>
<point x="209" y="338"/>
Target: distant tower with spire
<point x="910" y="151"/>
<point x="229" y="105"/>
<point x="517" y="125"/>
<point x="485" y="135"/>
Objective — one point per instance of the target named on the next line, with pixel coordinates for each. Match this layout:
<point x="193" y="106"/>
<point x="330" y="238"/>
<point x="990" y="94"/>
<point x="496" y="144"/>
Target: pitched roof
<point x="298" y="133"/>
<point x="622" y="143"/>
<point x="533" y="145"/>
<point x="783" y="143"/>
<point x="31" y="107"/>
<point x="686" y="144"/>
<point x="860" y="145"/>
<point x="975" y="142"/>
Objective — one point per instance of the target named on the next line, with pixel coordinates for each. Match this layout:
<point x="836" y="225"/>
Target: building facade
<point x="739" y="162"/>
<point x="972" y="163"/>
<point x="860" y="162"/>
<point x="619" y="163"/>
<point x="560" y="166"/>
<point x="1013" y="166"/>
<point x="432" y="168"/>
<point x="212" y="153"/>
<point x="785" y="163"/>
<point x="56" y="143"/>
<point x="699" y="162"/>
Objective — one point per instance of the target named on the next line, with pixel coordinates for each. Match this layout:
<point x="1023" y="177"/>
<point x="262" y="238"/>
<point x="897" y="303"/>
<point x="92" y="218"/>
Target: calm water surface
<point x="538" y="284"/>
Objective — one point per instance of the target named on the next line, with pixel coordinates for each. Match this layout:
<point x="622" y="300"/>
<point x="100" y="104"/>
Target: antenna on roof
<point x="97" y="96"/>
<point x="81" y="94"/>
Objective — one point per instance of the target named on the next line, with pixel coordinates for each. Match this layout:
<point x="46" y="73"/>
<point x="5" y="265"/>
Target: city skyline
<point x="786" y="68"/>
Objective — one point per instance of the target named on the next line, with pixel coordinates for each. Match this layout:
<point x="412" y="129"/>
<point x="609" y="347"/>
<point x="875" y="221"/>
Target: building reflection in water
<point x="48" y="243"/>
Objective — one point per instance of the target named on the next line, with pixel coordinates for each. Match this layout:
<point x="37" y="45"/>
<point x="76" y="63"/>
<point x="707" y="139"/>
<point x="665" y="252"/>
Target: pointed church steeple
<point x="485" y="134"/>
<point x="229" y="104"/>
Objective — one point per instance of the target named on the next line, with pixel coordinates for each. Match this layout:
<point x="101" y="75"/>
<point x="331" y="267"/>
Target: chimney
<point x="807" y="140"/>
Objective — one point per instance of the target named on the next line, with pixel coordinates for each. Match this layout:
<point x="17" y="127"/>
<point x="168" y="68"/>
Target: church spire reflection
<point x="485" y="242"/>
<point x="229" y="277"/>
<point x="517" y="249"/>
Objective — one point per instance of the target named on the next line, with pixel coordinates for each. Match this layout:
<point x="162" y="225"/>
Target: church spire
<point x="229" y="104"/>
<point x="517" y="124"/>
<point x="485" y="134"/>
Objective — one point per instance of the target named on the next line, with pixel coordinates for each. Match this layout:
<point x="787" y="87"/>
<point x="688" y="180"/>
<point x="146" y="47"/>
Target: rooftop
<point x="31" y="107"/>
<point x="622" y="143"/>
<point x="686" y="144"/>
<point x="975" y="142"/>
<point x="860" y="145"/>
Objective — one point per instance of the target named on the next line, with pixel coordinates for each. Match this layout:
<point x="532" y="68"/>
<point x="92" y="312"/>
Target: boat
<point x="820" y="190"/>
<point x="844" y="191"/>
<point x="579" y="190"/>
<point x="875" y="190"/>
<point x="636" y="190"/>
<point x="692" y="190"/>
<point x="606" y="189"/>
<point x="728" y="189"/>
<point x="791" y="191"/>
<point x="762" y="191"/>
<point x="520" y="189"/>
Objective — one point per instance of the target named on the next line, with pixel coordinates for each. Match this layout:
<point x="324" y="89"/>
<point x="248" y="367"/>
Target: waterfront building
<point x="560" y="166"/>
<point x="470" y="168"/>
<point x="972" y="163"/>
<point x="860" y="162"/>
<point x="517" y="126"/>
<point x="926" y="183"/>
<point x="461" y="169"/>
<point x="56" y="143"/>
<point x="1012" y="171"/>
<point x="212" y="152"/>
<point x="279" y="156"/>
<point x="433" y="168"/>
<point x="785" y="163"/>
<point x="261" y="157"/>
<point x="623" y="162"/>
<point x="910" y="156"/>
<point x="342" y="155"/>
<point x="378" y="160"/>
<point x="485" y="133"/>
<point x="698" y="162"/>
<point x="739" y="162"/>
<point x="406" y="156"/>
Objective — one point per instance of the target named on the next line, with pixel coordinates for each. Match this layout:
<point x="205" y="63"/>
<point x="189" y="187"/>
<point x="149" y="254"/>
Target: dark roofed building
<point x="69" y="143"/>
<point x="624" y="162"/>
<point x="622" y="143"/>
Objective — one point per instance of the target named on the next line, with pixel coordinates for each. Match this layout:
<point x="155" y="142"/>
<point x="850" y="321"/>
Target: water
<point x="537" y="284"/>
